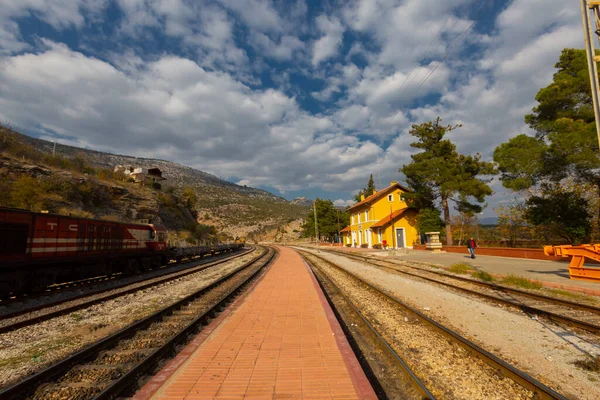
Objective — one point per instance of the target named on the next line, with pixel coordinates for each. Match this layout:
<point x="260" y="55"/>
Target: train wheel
<point x="133" y="266"/>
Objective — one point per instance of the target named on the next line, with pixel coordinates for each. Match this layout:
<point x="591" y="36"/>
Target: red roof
<point x="384" y="221"/>
<point x="379" y="194"/>
<point x="346" y="229"/>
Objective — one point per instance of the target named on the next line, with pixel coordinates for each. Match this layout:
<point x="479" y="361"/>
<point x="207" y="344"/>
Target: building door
<point x="369" y="237"/>
<point x="400" y="238"/>
<point x="360" y="238"/>
<point x="353" y="238"/>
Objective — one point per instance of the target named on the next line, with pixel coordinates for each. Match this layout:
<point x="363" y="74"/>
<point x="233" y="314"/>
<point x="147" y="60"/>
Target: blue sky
<point x="302" y="98"/>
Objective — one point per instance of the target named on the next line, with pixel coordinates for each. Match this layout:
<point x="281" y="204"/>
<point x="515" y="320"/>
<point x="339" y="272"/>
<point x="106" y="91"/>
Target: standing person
<point x="472" y="245"/>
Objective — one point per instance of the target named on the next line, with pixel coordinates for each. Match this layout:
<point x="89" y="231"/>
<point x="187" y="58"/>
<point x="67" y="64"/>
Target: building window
<point x="390" y="197"/>
<point x="366" y="215"/>
<point x="352" y="219"/>
<point x="359" y="218"/>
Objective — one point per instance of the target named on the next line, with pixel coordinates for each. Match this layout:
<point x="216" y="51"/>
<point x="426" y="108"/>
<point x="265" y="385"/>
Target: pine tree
<point x="369" y="190"/>
<point x="440" y="173"/>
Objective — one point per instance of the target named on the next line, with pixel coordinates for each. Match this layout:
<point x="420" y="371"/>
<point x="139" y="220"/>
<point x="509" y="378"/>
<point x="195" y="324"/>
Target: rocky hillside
<point x="302" y="201"/>
<point x="232" y="209"/>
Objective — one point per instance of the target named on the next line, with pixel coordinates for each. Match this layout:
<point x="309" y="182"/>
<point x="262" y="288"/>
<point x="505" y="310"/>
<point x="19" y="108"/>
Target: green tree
<point x="440" y="173"/>
<point x="369" y="190"/>
<point x="190" y="197"/>
<point x="428" y="220"/>
<point x="327" y="220"/>
<point x="203" y="232"/>
<point x="563" y="213"/>
<point x="26" y="193"/>
<point x="512" y="224"/>
<point x="565" y="146"/>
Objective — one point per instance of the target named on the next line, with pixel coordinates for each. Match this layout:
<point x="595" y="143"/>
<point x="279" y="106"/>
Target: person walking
<point x="472" y="245"/>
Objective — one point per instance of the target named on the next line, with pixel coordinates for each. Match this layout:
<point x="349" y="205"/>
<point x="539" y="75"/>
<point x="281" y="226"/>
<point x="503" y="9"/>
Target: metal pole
<point x="316" y="227"/>
<point x="588" y="34"/>
<point x="393" y="229"/>
<point x="338" y="218"/>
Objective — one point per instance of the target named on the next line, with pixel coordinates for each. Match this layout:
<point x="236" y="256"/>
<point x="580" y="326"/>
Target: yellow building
<point x="383" y="216"/>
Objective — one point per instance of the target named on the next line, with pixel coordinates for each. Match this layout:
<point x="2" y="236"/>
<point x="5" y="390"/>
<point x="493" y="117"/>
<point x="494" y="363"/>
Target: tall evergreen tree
<point x="440" y="173"/>
<point x="369" y="190"/>
<point x="565" y="143"/>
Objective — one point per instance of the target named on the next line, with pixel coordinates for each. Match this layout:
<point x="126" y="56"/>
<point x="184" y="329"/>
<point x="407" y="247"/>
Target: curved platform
<point x="279" y="341"/>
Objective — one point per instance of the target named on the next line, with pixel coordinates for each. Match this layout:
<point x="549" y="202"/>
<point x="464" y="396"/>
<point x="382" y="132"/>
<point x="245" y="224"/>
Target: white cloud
<point x="283" y="49"/>
<point x="173" y="108"/>
<point x="59" y="14"/>
<point x="343" y="203"/>
<point x="199" y="107"/>
<point x="327" y="46"/>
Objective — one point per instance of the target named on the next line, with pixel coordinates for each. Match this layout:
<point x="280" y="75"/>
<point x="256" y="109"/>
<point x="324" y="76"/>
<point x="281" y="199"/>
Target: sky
<point x="298" y="97"/>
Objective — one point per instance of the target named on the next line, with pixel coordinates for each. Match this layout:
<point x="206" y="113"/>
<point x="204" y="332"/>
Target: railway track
<point x="8" y="305"/>
<point x="421" y="321"/>
<point x="388" y="373"/>
<point x="579" y="315"/>
<point x="53" y="308"/>
<point x="114" y="365"/>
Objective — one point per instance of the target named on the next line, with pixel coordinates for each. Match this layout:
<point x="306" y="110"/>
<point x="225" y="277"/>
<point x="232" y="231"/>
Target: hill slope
<point x="233" y="209"/>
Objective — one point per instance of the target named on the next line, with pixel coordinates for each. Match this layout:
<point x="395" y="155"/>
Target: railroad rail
<point x="114" y="365"/>
<point x="540" y="390"/>
<point x="83" y="284"/>
<point x="95" y="297"/>
<point x="592" y="324"/>
<point x="416" y="387"/>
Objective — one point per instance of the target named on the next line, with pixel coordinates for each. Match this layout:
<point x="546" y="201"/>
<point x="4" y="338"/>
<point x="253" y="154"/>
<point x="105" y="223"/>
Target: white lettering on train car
<point x="52" y="225"/>
<point x="73" y="228"/>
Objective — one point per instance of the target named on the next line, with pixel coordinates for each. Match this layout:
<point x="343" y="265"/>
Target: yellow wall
<point x="377" y="211"/>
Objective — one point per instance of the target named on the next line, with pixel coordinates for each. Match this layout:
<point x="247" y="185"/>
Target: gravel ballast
<point x="550" y="353"/>
<point x="27" y="350"/>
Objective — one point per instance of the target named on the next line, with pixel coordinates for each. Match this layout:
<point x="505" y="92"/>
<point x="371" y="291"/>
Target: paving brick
<point x="281" y="342"/>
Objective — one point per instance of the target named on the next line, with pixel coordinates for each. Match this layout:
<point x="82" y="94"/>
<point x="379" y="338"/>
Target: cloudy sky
<point x="299" y="97"/>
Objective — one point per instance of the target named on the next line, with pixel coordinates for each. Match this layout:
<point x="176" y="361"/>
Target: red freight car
<point x="39" y="249"/>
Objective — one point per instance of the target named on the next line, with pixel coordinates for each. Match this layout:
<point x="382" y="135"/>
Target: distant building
<point x="150" y="176"/>
<point x="383" y="216"/>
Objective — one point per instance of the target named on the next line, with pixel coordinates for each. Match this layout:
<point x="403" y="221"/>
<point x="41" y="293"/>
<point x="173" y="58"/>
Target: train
<point x="41" y="249"/>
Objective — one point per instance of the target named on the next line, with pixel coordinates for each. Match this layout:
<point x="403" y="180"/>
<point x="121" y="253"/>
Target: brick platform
<point x="280" y="341"/>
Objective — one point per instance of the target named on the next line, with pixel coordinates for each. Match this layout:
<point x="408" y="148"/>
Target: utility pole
<point x="338" y="218"/>
<point x="591" y="9"/>
<point x="316" y="226"/>
<point x="54" y="149"/>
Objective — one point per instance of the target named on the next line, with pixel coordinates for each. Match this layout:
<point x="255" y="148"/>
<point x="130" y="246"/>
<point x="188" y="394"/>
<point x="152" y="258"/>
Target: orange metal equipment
<point x="579" y="254"/>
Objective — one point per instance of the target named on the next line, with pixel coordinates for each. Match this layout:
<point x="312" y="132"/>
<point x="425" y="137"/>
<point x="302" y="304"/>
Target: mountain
<point x="233" y="209"/>
<point x="302" y="201"/>
<point x="488" y="221"/>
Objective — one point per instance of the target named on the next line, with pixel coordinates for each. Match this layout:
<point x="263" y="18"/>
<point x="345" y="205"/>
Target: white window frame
<point x="352" y="219"/>
<point x="390" y="197"/>
<point x="359" y="218"/>
<point x="366" y="215"/>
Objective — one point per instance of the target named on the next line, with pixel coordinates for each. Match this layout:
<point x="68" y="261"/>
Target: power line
<point x="426" y="50"/>
<point x="456" y="40"/>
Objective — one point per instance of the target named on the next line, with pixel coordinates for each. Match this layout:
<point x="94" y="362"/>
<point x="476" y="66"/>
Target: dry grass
<point x="460" y="268"/>
<point x="519" y="281"/>
<point x="484" y="276"/>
